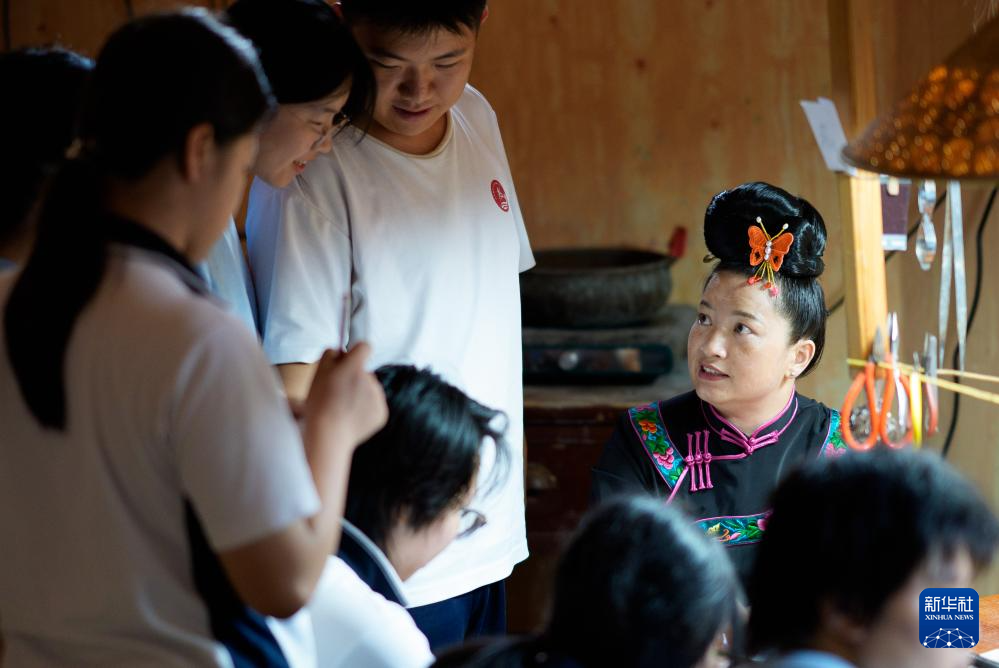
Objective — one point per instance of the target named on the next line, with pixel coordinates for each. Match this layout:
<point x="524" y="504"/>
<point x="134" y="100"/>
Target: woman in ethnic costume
<point x="720" y="450"/>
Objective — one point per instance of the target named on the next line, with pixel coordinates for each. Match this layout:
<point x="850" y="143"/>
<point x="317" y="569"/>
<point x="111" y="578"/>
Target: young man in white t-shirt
<point x="412" y="238"/>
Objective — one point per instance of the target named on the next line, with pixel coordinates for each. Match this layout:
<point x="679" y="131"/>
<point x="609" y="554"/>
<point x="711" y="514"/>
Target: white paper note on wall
<point x="828" y="130"/>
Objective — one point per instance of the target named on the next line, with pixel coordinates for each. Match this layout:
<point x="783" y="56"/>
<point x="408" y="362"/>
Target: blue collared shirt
<point x="228" y="278"/>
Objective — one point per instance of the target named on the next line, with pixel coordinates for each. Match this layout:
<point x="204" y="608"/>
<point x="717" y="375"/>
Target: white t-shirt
<point x="429" y="249"/>
<point x="227" y="277"/>
<point x="358" y="628"/>
<point x="170" y="406"/>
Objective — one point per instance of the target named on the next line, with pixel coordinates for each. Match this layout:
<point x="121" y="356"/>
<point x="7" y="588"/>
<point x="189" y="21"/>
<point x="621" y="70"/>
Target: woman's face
<point x="738" y="351"/>
<point x="296" y="135"/>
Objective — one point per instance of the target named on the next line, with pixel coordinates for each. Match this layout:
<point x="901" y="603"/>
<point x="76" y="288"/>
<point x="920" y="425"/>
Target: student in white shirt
<point x="414" y="233"/>
<point x="155" y="495"/>
<point x="408" y="498"/>
<point x="42" y="89"/>
<point x="849" y="547"/>
<point x="320" y="79"/>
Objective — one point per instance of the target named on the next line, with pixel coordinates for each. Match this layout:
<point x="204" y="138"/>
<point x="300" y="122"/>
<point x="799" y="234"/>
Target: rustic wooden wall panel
<point x="622" y="119"/>
<point x="82" y="26"/>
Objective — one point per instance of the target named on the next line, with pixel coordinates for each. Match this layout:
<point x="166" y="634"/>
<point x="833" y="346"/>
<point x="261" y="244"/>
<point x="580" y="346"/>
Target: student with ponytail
<point x="155" y="495"/>
<point x="720" y="450"/>
<point x="43" y="89"/>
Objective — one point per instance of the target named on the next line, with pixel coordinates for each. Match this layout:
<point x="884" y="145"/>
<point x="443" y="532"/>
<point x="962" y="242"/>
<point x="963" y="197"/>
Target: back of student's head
<point x="306" y="51"/>
<point x="847" y="534"/>
<point x="525" y="652"/>
<point x="415" y="17"/>
<point x="43" y="89"/>
<point x="425" y="459"/>
<point x="639" y="585"/>
<point x="156" y="79"/>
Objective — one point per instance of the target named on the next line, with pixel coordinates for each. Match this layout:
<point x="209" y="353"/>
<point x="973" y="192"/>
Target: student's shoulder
<point x="474" y="106"/>
<point x="313" y="193"/>
<point x="363" y="618"/>
<point x="148" y="292"/>
<point x="473" y="97"/>
<point x="345" y="595"/>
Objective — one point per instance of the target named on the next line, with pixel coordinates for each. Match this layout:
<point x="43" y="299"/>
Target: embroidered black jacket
<point x="684" y="451"/>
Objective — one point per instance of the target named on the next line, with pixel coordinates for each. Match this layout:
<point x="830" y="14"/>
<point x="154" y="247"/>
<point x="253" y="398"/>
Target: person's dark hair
<point x="155" y="79"/>
<point x="523" y="652"/>
<point x="850" y="532"/>
<point x="306" y="51"/>
<point x="426" y="457"/>
<point x="726" y="223"/>
<point x="45" y="88"/>
<point x="415" y="17"/>
<point x="638" y="586"/>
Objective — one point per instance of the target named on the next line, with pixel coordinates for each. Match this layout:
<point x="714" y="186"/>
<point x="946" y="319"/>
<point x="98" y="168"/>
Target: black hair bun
<point x="732" y="212"/>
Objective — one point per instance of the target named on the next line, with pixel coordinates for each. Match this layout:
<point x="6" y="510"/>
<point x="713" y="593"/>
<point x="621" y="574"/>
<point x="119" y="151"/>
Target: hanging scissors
<point x="925" y="365"/>
<point x="894" y="426"/>
<point x="930" y="357"/>
<point x="876" y="416"/>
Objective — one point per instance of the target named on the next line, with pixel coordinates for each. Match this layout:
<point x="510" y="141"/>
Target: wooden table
<point x="988" y="615"/>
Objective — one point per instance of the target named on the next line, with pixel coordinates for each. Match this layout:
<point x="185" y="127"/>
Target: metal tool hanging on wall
<point x="952" y="262"/>
<point x="884" y="415"/>
<point x="926" y="237"/>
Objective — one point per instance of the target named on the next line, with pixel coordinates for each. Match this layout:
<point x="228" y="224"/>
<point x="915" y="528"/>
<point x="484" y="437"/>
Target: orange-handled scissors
<point x="876" y="415"/>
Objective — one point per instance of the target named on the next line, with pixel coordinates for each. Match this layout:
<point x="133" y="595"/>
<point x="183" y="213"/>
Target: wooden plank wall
<point x="623" y="118"/>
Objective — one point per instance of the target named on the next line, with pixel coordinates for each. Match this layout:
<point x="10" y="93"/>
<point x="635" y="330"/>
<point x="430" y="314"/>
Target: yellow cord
<point x="973" y="392"/>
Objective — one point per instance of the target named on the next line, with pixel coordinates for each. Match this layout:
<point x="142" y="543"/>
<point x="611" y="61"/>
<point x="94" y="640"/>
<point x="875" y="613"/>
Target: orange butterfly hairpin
<point x="768" y="252"/>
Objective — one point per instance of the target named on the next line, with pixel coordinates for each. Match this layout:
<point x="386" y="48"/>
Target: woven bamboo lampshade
<point x="948" y="126"/>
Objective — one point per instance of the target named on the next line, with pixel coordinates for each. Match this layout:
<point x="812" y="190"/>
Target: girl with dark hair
<point x="44" y="88"/>
<point x="407" y="500"/>
<point x="721" y="449"/>
<point x="155" y="496"/>
<point x="321" y="80"/>
<point x="625" y="597"/>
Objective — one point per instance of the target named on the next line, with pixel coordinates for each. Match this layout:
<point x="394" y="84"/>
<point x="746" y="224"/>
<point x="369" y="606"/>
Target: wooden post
<point x="851" y="41"/>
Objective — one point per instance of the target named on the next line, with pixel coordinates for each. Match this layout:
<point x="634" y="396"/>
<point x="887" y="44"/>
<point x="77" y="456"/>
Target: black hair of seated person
<point x="801" y="300"/>
<point x="44" y="89"/>
<point x="525" y="652"/>
<point x="306" y="51"/>
<point x="156" y="78"/>
<point x="638" y="586"/>
<point x="850" y="532"/>
<point x="425" y="459"/>
<point x="416" y="18"/>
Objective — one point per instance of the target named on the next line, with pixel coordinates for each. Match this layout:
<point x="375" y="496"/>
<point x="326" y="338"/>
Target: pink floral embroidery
<point x="664" y="460"/>
<point x="761" y="524"/>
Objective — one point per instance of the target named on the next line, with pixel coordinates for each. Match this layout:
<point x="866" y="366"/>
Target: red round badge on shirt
<point x="500" y="195"/>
